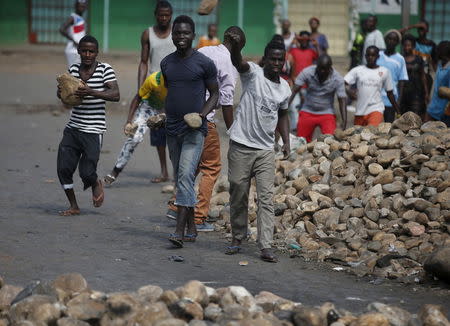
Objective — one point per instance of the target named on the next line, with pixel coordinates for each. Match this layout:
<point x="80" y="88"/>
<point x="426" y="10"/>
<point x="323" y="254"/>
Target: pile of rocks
<point x="375" y="199"/>
<point x="68" y="301"/>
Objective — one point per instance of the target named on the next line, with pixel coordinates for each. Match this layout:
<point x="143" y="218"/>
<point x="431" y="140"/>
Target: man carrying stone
<point x="187" y="74"/>
<point x="210" y="164"/>
<point x="262" y="109"/>
<point x="322" y="82"/>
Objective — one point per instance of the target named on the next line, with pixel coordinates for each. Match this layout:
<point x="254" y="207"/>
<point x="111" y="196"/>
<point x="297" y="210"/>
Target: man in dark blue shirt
<point x="187" y="74"/>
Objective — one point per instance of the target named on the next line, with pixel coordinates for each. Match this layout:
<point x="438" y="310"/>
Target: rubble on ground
<point x="373" y="199"/>
<point x="69" y="301"/>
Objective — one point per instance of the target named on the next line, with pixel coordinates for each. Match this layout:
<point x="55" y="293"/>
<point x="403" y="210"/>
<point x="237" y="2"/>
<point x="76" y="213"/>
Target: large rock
<point x="309" y="316"/>
<point x="407" y="121"/>
<point x="395" y="315"/>
<point x="84" y="308"/>
<point x="69" y="285"/>
<point x="186" y="309"/>
<point x="36" y="308"/>
<point x="371" y="319"/>
<point x="195" y="291"/>
<point x="150" y="293"/>
<point x="438" y="263"/>
<point x="149" y="315"/>
<point x="7" y="295"/>
<point x="322" y="216"/>
<point x="433" y="315"/>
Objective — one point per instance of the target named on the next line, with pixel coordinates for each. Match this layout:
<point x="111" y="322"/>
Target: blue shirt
<point x="437" y="105"/>
<point x="186" y="80"/>
<point x="397" y="67"/>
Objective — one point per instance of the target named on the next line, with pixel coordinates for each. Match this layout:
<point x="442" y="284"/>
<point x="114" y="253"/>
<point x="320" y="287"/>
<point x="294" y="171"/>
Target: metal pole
<point x="240" y="22"/>
<point x="406" y="10"/>
<point x="106" y="26"/>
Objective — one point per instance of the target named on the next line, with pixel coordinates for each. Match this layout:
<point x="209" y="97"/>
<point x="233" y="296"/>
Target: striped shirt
<point x="89" y="117"/>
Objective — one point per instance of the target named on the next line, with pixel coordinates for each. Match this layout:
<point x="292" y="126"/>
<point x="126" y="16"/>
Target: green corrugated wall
<point x="13" y="22"/>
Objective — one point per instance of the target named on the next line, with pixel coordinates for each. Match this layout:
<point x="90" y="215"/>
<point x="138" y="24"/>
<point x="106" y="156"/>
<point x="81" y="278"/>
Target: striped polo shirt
<point x="89" y="117"/>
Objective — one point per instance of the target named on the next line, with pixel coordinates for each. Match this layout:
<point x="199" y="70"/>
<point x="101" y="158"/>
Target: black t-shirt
<point x="186" y="80"/>
<point x="414" y="86"/>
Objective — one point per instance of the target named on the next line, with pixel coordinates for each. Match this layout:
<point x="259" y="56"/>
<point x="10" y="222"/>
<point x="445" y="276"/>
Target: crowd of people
<point x="293" y="87"/>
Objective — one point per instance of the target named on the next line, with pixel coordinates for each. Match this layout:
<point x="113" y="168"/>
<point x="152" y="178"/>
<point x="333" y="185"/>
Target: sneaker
<point x="171" y="214"/>
<point x="205" y="227"/>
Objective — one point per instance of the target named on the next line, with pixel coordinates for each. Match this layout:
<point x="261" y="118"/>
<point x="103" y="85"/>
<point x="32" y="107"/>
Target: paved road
<point x="122" y="245"/>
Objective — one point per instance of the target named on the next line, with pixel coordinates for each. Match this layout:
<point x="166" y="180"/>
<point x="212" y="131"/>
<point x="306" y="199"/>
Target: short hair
<point x="374" y="17"/>
<point x="314" y="18"/>
<point x="443" y="49"/>
<point x="233" y="30"/>
<point x="163" y="4"/>
<point x="211" y="24"/>
<point x="373" y="47"/>
<point x="183" y="19"/>
<point x="425" y="22"/>
<point x="301" y="33"/>
<point x="324" y="59"/>
<point x="409" y="37"/>
<point x="277" y="38"/>
<point x="273" y="46"/>
<point x="88" y="39"/>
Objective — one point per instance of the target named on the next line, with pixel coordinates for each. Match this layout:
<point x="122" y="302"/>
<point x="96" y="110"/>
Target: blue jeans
<point x="185" y="152"/>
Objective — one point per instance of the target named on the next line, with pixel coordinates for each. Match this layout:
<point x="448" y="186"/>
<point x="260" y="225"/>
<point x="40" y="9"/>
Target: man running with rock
<point x="187" y="74"/>
<point x="82" y="138"/>
<point x="262" y="109"/>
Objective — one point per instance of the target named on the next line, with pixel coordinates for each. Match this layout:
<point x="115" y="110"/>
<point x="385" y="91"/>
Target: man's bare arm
<point x="64" y="27"/>
<point x="145" y="53"/>
<point x="343" y="110"/>
<point x="211" y="103"/>
<point x="111" y="93"/>
<point x="391" y="97"/>
<point x="236" y="57"/>
<point x="295" y="90"/>
<point x="283" y="128"/>
<point x="227" y="111"/>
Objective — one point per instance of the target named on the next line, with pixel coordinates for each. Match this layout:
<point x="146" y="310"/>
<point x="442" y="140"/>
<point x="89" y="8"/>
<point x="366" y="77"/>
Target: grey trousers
<point x="243" y="164"/>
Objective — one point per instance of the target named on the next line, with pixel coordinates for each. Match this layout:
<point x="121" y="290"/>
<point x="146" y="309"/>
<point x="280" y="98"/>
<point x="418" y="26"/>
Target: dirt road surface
<point x="123" y="245"/>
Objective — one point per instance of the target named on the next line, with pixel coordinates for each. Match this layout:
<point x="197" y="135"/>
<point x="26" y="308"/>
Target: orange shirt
<point x="205" y="41"/>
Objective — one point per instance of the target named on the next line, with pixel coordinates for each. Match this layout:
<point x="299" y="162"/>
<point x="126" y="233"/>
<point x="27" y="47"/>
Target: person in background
<point x="370" y="79"/>
<point x="210" y="39"/>
<point x="425" y="47"/>
<point x="74" y="28"/>
<point x="373" y="37"/>
<point x="320" y="38"/>
<point x="356" y="53"/>
<point x="323" y="83"/>
<point x="302" y="56"/>
<point x="415" y="92"/>
<point x="437" y="107"/>
<point x="156" y="43"/>
<point x="395" y="62"/>
<point x="288" y="35"/>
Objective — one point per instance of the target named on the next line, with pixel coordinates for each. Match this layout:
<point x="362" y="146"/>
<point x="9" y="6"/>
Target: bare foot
<point x="69" y="212"/>
<point x="97" y="194"/>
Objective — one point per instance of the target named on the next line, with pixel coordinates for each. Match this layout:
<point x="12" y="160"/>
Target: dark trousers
<point x="80" y="149"/>
<point x="389" y="114"/>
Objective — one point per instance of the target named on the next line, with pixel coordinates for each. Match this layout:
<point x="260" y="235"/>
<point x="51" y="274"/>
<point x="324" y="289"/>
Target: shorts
<point x="158" y="137"/>
<point x="307" y="122"/>
<point x="371" y="119"/>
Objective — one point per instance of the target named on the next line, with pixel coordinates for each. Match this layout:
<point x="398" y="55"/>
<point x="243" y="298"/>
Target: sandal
<point x="69" y="212"/>
<point x="190" y="237"/>
<point x="268" y="256"/>
<point x="159" y="180"/>
<point x="232" y="250"/>
<point x="98" y="201"/>
<point x="109" y="179"/>
<point x="176" y="240"/>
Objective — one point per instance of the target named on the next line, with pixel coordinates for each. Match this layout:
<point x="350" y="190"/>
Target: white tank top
<point x="78" y="29"/>
<point x="159" y="49"/>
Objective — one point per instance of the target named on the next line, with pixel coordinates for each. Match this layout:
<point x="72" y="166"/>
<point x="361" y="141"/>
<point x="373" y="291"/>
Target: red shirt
<point x="302" y="58"/>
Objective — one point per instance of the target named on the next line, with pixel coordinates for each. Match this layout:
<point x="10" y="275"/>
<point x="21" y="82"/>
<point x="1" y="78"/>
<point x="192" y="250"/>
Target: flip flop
<point x="176" y="240"/>
<point x="159" y="180"/>
<point x="109" y="179"/>
<point x="232" y="250"/>
<point x="190" y="237"/>
<point x="98" y="201"/>
<point x="69" y="212"/>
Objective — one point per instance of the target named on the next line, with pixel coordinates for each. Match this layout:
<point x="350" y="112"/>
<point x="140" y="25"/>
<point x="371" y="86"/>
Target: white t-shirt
<point x="369" y="83"/>
<point x="373" y="38"/>
<point x="257" y="113"/>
